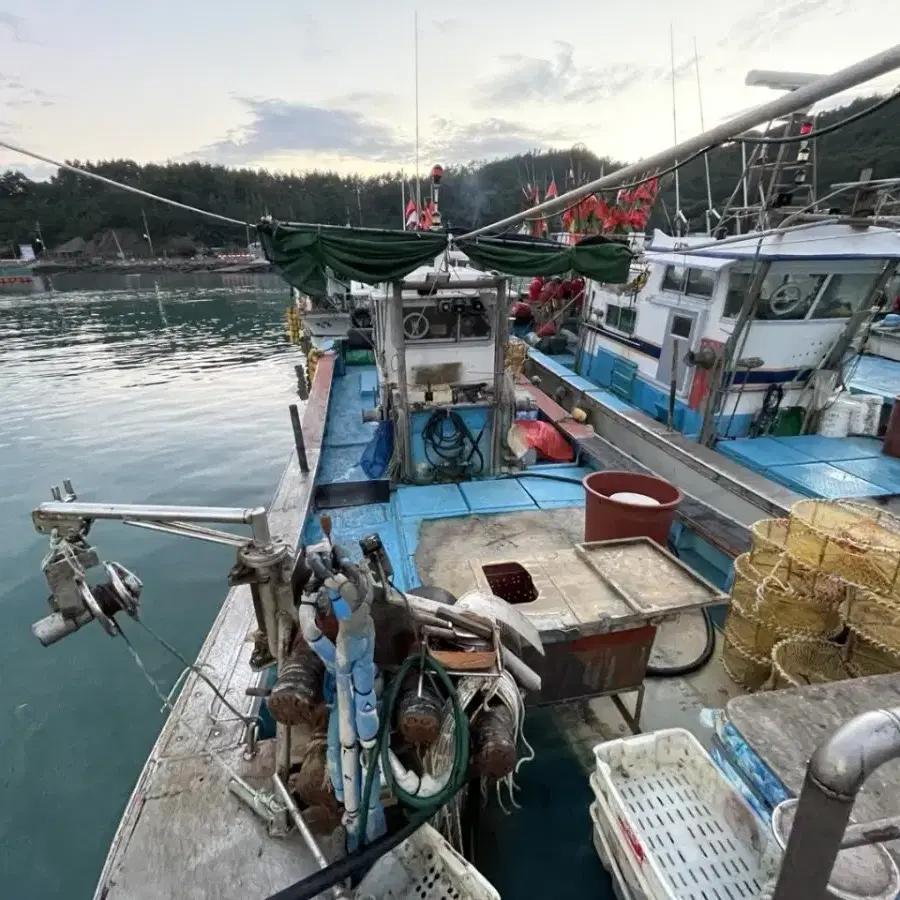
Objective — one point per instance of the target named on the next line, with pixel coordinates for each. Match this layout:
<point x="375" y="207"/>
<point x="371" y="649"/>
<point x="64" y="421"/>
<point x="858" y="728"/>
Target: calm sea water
<point x="170" y="395"/>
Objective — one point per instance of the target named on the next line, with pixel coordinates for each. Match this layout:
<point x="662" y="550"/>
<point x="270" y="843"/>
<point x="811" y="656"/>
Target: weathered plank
<point x="784" y="728"/>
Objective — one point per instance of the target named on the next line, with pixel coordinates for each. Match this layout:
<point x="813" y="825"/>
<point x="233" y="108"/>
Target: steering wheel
<point x="785" y="299"/>
<point x="415" y="326"/>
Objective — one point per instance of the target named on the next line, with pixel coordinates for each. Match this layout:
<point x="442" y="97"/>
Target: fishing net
<point x="801" y="662"/>
<point x="752" y="634"/>
<point x="865" y="657"/>
<point x="858" y="543"/>
<point x="745" y="669"/>
<point x="516" y="351"/>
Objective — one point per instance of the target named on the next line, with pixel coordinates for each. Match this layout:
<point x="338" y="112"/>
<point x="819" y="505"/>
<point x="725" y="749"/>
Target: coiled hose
<point x="446" y="437"/>
<point x="423" y="808"/>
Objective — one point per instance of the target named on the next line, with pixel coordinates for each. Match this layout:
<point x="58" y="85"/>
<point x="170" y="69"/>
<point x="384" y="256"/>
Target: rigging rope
<point x="124" y="187"/>
<point x="828" y="129"/>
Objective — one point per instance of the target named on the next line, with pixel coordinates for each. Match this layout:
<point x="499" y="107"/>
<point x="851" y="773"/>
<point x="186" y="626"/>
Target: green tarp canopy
<point x="302" y="253"/>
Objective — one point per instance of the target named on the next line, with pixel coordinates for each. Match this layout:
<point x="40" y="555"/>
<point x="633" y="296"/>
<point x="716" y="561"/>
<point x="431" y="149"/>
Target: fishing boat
<point x="438" y="618"/>
<point x="17" y="277"/>
<point x="754" y="354"/>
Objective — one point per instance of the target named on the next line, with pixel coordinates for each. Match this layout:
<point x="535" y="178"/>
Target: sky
<point x="294" y="85"/>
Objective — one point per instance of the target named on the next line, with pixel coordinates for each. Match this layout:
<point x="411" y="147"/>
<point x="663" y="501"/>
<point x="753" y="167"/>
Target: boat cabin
<point x="642" y="337"/>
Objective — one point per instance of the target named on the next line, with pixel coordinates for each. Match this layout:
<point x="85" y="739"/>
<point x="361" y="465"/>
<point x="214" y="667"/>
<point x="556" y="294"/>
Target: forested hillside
<point x="69" y="206"/>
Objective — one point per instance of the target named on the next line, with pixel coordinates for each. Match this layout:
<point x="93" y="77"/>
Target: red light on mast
<point x="806" y="128"/>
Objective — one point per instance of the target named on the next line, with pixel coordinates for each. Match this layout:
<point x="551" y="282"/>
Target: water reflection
<point x="178" y="396"/>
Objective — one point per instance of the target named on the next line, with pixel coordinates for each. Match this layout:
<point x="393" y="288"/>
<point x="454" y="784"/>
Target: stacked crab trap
<point x="817" y="598"/>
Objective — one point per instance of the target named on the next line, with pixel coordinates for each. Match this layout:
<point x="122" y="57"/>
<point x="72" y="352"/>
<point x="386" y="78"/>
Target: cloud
<point x="367" y="100"/>
<point x="488" y="138"/>
<point x="278" y="128"/>
<point x="14" y="24"/>
<point x="757" y="26"/>
<point x="445" y="26"/>
<point x="15" y="94"/>
<point x="559" y="79"/>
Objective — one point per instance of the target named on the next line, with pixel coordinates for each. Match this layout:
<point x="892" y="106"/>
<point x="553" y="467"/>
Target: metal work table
<point x="596" y="606"/>
<point x="783" y="728"/>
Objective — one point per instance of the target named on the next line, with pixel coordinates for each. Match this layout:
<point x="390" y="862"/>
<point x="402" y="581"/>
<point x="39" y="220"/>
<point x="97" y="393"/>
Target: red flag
<point x="552" y="190"/>
<point x="412" y="216"/>
<point x="425" y="219"/>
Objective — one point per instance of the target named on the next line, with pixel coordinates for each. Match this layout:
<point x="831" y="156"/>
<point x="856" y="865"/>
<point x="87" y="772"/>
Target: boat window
<point x="449" y="319"/>
<point x="700" y="283"/>
<point x="681" y="326"/>
<point x="844" y="296"/>
<point x="673" y="279"/>
<point x="784" y="296"/>
<point x="621" y="318"/>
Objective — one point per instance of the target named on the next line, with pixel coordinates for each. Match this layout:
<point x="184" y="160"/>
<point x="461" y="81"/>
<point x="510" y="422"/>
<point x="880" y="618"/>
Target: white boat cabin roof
<point x="826" y="240"/>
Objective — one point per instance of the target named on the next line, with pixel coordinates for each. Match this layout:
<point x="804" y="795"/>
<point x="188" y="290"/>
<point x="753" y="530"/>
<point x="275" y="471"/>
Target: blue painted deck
<point x="875" y="375"/>
<point x="820" y="467"/>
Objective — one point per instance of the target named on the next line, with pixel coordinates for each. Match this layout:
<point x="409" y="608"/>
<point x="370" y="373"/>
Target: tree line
<point x="69" y="206"/>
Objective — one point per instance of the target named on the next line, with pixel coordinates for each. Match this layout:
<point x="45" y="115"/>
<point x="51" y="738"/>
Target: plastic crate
<point x="424" y="867"/>
<point x="685" y="829"/>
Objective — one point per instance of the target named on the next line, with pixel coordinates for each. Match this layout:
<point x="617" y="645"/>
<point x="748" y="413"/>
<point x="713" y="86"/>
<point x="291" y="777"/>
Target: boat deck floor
<point x="821" y="467"/>
<point x="515" y="851"/>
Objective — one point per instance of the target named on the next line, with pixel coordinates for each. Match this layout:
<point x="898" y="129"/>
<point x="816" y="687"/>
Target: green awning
<point x="595" y="257"/>
<point x="302" y="253"/>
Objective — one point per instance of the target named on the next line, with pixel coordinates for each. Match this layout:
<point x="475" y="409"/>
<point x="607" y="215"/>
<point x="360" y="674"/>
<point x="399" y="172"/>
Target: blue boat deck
<point x="399" y="520"/>
<point x="874" y="375"/>
<point x="820" y="467"/>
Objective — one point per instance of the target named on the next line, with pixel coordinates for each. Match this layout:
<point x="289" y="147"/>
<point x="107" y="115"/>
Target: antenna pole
<point x="147" y="231"/>
<point x="403" y="201"/>
<point x="675" y="131"/>
<point x="801" y="99"/>
<point x="418" y="178"/>
<point x="709" y="201"/>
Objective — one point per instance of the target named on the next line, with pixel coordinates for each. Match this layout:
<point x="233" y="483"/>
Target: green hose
<point x="459" y="770"/>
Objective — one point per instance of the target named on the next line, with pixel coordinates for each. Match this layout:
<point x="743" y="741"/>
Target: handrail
<point x="836" y="772"/>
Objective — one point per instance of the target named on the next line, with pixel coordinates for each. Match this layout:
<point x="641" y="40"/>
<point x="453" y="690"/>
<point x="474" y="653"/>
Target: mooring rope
<point x="124" y="187"/>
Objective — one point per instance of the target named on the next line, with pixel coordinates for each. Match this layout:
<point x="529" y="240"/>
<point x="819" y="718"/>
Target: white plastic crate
<point x="684" y="829"/>
<point x="424" y="867"/>
<point x="627" y="884"/>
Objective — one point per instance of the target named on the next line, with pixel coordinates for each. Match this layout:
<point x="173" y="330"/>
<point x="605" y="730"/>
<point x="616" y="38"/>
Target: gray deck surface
<point x="785" y="727"/>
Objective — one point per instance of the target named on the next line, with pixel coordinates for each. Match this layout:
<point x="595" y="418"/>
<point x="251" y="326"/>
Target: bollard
<point x="298" y="438"/>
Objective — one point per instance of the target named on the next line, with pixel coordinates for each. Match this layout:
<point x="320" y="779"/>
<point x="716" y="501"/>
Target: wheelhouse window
<point x="673" y="279"/>
<point x="621" y="318"/>
<point x="692" y="282"/>
<point x="784" y="296"/>
<point x="700" y="283"/>
<point x="844" y="296"/>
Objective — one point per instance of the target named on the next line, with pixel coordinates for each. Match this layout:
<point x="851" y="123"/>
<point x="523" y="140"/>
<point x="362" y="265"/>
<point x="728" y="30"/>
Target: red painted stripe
<point x="316" y="410"/>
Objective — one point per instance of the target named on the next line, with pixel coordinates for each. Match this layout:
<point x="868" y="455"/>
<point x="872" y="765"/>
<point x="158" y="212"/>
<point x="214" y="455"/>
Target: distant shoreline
<point x="148" y="267"/>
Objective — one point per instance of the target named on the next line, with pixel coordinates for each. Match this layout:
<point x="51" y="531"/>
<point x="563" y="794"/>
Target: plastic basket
<point x="865" y="657"/>
<point x="742" y="666"/>
<point x="687" y="832"/>
<point x="626" y="882"/>
<point x="854" y="541"/>
<point x="424" y="867"/>
<point x="799" y="663"/>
